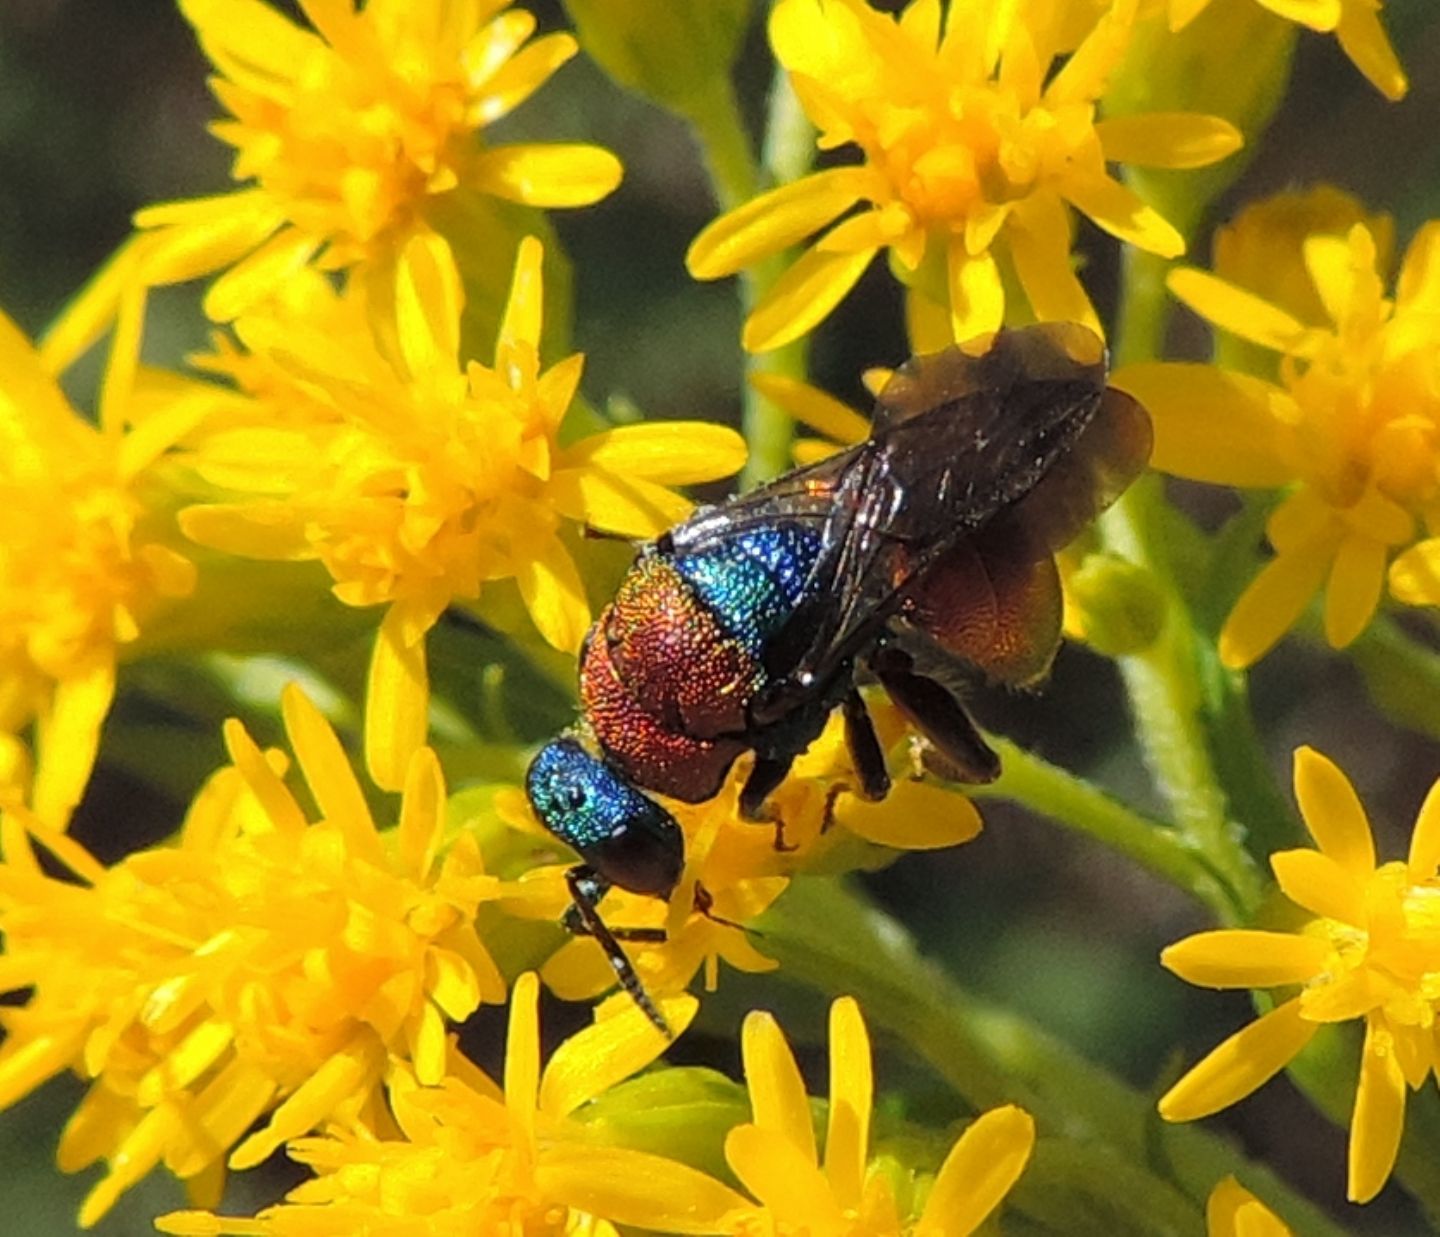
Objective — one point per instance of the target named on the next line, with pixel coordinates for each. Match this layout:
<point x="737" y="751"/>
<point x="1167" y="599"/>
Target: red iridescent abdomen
<point x="661" y="681"/>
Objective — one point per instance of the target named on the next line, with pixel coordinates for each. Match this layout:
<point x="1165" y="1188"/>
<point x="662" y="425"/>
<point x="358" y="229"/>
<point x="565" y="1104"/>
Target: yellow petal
<point x="520" y="75"/>
<point x="978" y="1173"/>
<point x="422" y="814"/>
<point x="1235" y="310"/>
<point x="268" y="530"/>
<point x="672" y="452"/>
<point x="1271" y="605"/>
<point x="262" y="780"/>
<point x="852" y="1092"/>
<point x="776" y="1172"/>
<point x="428" y="302"/>
<point x="1353" y="590"/>
<point x="913" y="816"/>
<point x="608" y="1051"/>
<point x="1245" y="1061"/>
<point x="524" y="309"/>
<point x="772" y="222"/>
<point x="522" y="1052"/>
<point x="1319" y="15"/>
<point x="346" y="1076"/>
<point x="635" y="1188"/>
<point x="1333" y="813"/>
<point x="1425" y="840"/>
<point x="802" y="297"/>
<point x="68" y="738"/>
<point x="811" y="406"/>
<point x="1365" y="42"/>
<point x="550" y="175"/>
<point x="1415" y="574"/>
<point x="1183" y="12"/>
<point x="777" y="1092"/>
<point x="397" y="703"/>
<point x="90" y="311"/>
<point x="1316" y="882"/>
<point x="259" y="274"/>
<point x="1122" y="213"/>
<point x="1038" y="236"/>
<point x="615" y="504"/>
<point x="1418" y="286"/>
<point x="30" y="396"/>
<point x="328" y="773"/>
<point x="551" y="588"/>
<point x="977" y="297"/>
<point x="1379" y="1117"/>
<point x="1245" y="958"/>
<point x="1168" y="139"/>
<point x="1210" y="425"/>
<point x="1232" y="1211"/>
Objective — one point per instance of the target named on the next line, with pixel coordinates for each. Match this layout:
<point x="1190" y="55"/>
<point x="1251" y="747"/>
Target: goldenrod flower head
<point x="418" y="480"/>
<point x="475" y="1158"/>
<point x="973" y="154"/>
<point x="82" y="562"/>
<point x="1352" y="423"/>
<point x="265" y="963"/>
<point x="350" y="133"/>
<point x="735" y="868"/>
<point x="1232" y="1211"/>
<point x="845" y="1194"/>
<point x="1371" y="950"/>
<point x="1356" y="23"/>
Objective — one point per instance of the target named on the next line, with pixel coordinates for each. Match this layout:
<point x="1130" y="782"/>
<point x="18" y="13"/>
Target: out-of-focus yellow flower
<point x="1352" y="422"/>
<point x="973" y="154"/>
<point x="734" y="868"/>
<point x="1371" y="951"/>
<point x="263" y="964"/>
<point x="351" y="133"/>
<point x="84" y="560"/>
<point x="777" y="1161"/>
<point x="418" y="480"/>
<point x="476" y="1159"/>
<point x="1232" y="1211"/>
<point x="1356" y="23"/>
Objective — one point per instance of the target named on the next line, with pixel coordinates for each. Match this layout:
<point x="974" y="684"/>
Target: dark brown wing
<point x="959" y="436"/>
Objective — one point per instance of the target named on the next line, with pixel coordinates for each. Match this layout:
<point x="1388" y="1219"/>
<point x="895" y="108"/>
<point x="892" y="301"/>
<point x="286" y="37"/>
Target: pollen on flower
<point x="973" y="155"/>
<point x="1350" y="421"/>
<point x="1369" y="952"/>
<point x="346" y="135"/>
<point x="83" y="564"/>
<point x="265" y="965"/>
<point x="470" y="1156"/>
<point x="420" y="479"/>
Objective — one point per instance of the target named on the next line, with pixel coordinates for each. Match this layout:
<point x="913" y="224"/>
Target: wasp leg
<point x="768" y="773"/>
<point x="705" y="905"/>
<point x="587" y="887"/>
<point x="940" y="717"/>
<point x="865" y="751"/>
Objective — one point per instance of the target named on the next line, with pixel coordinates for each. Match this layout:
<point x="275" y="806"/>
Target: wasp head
<point x="627" y="838"/>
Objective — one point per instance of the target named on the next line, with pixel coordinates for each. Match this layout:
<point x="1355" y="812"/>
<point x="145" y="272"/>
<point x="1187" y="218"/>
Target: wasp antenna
<point x="585" y="892"/>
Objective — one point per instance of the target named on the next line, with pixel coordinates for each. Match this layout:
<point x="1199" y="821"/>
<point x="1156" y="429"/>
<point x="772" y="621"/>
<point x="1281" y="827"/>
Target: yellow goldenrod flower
<point x="475" y="1158"/>
<point x="734" y="868"/>
<point x="263" y="964"/>
<point x="1371" y="951"/>
<point x="84" y="560"/>
<point x="418" y="480"/>
<point x="845" y="1195"/>
<point x="348" y="135"/>
<point x="1352" y="424"/>
<point x="1356" y="23"/>
<point x="1232" y="1211"/>
<point x="973" y="154"/>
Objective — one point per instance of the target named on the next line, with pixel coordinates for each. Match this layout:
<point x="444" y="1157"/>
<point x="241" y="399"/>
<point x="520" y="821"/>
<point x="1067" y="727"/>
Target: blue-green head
<point x="627" y="838"/>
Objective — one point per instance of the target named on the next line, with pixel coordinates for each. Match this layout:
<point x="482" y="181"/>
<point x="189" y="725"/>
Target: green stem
<point x="989" y="1056"/>
<point x="1402" y="675"/>
<point x="737" y="179"/>
<point x="1075" y="803"/>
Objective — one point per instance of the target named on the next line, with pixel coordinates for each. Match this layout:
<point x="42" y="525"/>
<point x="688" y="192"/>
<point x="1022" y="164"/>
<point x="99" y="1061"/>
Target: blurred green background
<point x="103" y="108"/>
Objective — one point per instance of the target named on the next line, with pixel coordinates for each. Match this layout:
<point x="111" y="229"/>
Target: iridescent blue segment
<point x="628" y="838"/>
<point x="754" y="581"/>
